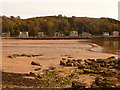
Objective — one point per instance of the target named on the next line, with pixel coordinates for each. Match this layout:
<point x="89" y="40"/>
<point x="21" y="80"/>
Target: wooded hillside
<point x="51" y="24"/>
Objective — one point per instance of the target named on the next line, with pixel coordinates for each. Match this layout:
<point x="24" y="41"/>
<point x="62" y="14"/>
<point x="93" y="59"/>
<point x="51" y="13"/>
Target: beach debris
<point x="35" y="63"/>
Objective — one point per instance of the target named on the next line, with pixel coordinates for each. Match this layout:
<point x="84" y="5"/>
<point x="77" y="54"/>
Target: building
<point x="115" y="33"/>
<point x="58" y="34"/>
<point x="73" y="33"/>
<point x="23" y="35"/>
<point x="86" y="34"/>
<point x="6" y="34"/>
<point x="106" y="34"/>
<point x="41" y="34"/>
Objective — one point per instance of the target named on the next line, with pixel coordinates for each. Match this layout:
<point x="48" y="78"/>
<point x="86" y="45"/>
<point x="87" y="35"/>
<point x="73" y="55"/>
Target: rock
<point x="81" y="66"/>
<point x="70" y="57"/>
<point x="79" y="60"/>
<point x="63" y="58"/>
<point x="32" y="73"/>
<point x="62" y="74"/>
<point x="100" y="60"/>
<point x="77" y="84"/>
<point x="112" y="57"/>
<point x="70" y="64"/>
<point x="87" y="71"/>
<point x="70" y="61"/>
<point x="52" y="67"/>
<point x="63" y="62"/>
<point x="35" y="63"/>
<point x="93" y="60"/>
<point x="106" y="82"/>
<point x="95" y="65"/>
<point x="79" y="71"/>
<point x="118" y="62"/>
<point x="36" y="55"/>
<point x="11" y="56"/>
<point x="89" y="62"/>
<point x="29" y="55"/>
<point x="23" y="55"/>
<point x="102" y="65"/>
<point x="76" y="64"/>
<point x="15" y="55"/>
<point x="37" y="69"/>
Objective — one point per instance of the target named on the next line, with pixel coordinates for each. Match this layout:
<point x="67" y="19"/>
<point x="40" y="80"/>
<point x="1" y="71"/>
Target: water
<point x="109" y="46"/>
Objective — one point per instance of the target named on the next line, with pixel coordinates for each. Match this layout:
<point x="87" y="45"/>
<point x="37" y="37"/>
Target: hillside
<point x="51" y="24"/>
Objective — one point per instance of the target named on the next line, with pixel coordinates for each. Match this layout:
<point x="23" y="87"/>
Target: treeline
<point x="51" y="24"/>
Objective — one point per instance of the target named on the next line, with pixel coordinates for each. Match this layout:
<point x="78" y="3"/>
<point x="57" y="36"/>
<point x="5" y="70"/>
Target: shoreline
<point x="96" y="48"/>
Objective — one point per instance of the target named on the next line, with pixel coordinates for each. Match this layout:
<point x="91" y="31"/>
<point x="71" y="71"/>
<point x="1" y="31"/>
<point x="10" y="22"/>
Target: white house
<point x="58" y="34"/>
<point x="23" y="35"/>
<point x="41" y="34"/>
<point x="106" y="34"/>
<point x="6" y="34"/>
<point x="115" y="33"/>
<point x="73" y="33"/>
<point x="86" y="34"/>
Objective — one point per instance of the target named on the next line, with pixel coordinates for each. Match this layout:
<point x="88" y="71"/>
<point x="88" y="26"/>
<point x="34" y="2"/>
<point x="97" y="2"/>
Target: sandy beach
<point x="52" y="52"/>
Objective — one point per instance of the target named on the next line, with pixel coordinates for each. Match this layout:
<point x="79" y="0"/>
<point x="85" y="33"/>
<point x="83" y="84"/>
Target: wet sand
<point x="52" y="50"/>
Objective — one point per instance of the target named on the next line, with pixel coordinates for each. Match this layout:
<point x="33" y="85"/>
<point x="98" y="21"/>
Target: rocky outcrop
<point x="24" y="55"/>
<point x="106" y="71"/>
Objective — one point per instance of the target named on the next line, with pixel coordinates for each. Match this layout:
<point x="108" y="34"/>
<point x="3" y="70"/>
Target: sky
<point x="79" y="8"/>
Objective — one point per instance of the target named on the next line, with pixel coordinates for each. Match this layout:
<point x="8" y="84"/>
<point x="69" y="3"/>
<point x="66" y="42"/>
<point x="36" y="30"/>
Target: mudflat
<point x="52" y="52"/>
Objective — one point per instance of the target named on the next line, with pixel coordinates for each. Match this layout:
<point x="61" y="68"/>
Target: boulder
<point x="63" y="62"/>
<point x="37" y="69"/>
<point x="100" y="60"/>
<point x="63" y="58"/>
<point x="29" y="55"/>
<point x="70" y="64"/>
<point x="88" y="62"/>
<point x="106" y="82"/>
<point x="35" y="63"/>
<point x="79" y="71"/>
<point x="112" y="57"/>
<point x="79" y="60"/>
<point x="81" y="66"/>
<point x="77" y="84"/>
<point x="87" y="71"/>
<point x="23" y="55"/>
<point x="11" y="56"/>
<point x="93" y="60"/>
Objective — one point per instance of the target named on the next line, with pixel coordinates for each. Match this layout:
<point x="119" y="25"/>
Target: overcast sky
<point x="80" y="8"/>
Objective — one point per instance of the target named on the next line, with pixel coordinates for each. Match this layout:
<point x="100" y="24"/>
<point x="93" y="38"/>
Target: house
<point x="58" y="34"/>
<point x="106" y="34"/>
<point x="41" y="34"/>
<point x="115" y="33"/>
<point x="23" y="35"/>
<point x="86" y="34"/>
<point x="6" y="34"/>
<point x="73" y="33"/>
